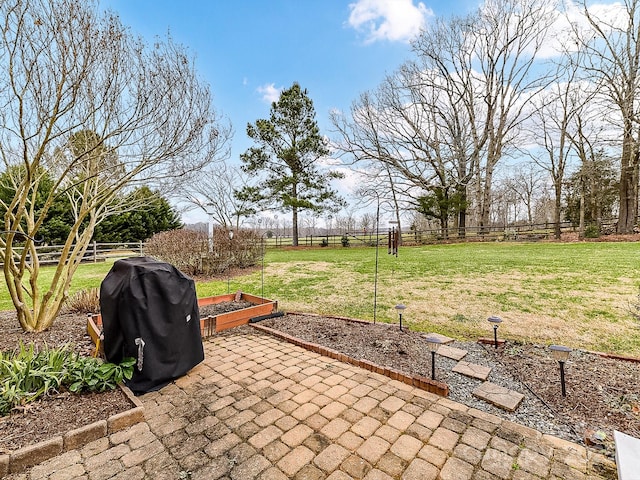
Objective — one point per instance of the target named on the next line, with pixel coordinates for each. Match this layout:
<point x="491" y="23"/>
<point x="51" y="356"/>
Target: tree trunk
<point x="628" y="184"/>
<point x="462" y="214"/>
<point x="485" y="207"/>
<point x="557" y="210"/>
<point x="582" y="202"/>
<point x="294" y="229"/>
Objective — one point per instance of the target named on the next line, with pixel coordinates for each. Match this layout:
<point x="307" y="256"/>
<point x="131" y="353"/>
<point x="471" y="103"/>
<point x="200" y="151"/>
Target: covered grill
<point x="150" y="312"/>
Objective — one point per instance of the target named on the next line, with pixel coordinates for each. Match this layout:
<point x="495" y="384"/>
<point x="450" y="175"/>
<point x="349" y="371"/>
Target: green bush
<point x="591" y="231"/>
<point x="27" y="374"/>
<point x="345" y="241"/>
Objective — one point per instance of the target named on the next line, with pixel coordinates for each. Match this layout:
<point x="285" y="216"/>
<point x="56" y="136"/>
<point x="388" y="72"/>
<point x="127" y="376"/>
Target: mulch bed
<point x="61" y="412"/>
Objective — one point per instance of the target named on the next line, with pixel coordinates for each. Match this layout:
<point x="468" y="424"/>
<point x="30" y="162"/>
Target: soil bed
<point x="224" y="307"/>
<point x="61" y="412"/>
<point x="602" y="393"/>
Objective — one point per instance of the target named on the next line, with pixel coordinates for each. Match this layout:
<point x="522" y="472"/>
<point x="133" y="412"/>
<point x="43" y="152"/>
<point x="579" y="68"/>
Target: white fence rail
<point x="97" y="252"/>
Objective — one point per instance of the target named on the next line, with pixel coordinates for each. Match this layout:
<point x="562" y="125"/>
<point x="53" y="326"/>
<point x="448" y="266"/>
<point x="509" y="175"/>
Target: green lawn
<point x="575" y="294"/>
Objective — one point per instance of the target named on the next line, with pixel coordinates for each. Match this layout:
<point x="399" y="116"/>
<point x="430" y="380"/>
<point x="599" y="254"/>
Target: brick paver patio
<point x="261" y="408"/>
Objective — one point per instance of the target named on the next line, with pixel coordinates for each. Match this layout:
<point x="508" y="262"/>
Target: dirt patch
<point x="602" y="393"/>
<point x="56" y="415"/>
<point x="60" y="412"/>
<point x="224" y="307"/>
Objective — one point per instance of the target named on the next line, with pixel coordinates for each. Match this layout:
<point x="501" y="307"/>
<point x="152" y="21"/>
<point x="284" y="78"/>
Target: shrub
<point x="182" y="248"/>
<point x="591" y="231"/>
<point x="84" y="301"/>
<point x="244" y="249"/>
<point x="324" y="243"/>
<point x="189" y="251"/>
<point x="345" y="241"/>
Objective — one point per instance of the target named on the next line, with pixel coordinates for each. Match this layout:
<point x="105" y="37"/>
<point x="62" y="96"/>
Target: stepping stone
<point x="452" y="352"/>
<point x="499" y="396"/>
<point x="444" y="340"/>
<point x="472" y="370"/>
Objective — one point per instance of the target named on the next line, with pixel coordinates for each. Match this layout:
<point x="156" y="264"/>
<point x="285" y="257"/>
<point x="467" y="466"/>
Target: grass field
<point x="576" y="294"/>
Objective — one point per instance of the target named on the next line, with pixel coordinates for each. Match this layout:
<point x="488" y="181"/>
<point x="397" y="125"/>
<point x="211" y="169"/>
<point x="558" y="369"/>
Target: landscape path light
<point x="495" y="321"/>
<point x="400" y="308"/>
<point x="561" y="354"/>
<point x="433" y="343"/>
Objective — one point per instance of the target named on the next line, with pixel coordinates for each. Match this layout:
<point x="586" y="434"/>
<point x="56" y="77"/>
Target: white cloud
<point x="572" y="21"/>
<point x="393" y="20"/>
<point x="269" y="92"/>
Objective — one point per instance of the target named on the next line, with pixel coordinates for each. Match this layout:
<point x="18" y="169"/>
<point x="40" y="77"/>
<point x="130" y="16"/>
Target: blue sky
<point x="249" y="49"/>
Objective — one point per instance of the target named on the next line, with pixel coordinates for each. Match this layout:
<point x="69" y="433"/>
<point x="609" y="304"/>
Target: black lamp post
<point x="400" y="308"/>
<point x="561" y="354"/>
<point x="433" y="343"/>
<point x="495" y="321"/>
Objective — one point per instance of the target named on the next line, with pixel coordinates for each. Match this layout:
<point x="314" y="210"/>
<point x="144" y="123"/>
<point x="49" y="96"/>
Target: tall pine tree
<point x="287" y="149"/>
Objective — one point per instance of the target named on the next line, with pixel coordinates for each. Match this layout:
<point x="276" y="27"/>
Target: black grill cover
<point x="150" y="312"/>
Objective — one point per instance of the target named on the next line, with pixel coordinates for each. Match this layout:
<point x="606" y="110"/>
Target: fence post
<point x="95" y="252"/>
<point x="141" y="253"/>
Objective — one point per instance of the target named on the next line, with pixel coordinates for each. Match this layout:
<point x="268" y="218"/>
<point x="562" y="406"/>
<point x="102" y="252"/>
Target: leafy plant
<point x="28" y="375"/>
<point x="591" y="231"/>
<point x="345" y="241"/>
<point x="93" y="375"/>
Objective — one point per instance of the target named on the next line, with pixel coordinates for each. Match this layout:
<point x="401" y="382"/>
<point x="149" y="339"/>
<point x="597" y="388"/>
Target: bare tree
<point x="213" y="191"/>
<point x="447" y="118"/>
<point x="508" y="35"/>
<point x="146" y="115"/>
<point x="611" y="46"/>
<point x="560" y="109"/>
<point x="525" y="184"/>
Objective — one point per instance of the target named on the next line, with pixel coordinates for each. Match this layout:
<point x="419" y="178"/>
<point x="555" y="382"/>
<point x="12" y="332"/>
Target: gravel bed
<point x="532" y="412"/>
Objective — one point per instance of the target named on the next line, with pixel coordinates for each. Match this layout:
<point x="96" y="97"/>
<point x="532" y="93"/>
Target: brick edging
<point x="423" y="383"/>
<point x="615" y="356"/>
<point x="337" y="317"/>
<point x="31" y="455"/>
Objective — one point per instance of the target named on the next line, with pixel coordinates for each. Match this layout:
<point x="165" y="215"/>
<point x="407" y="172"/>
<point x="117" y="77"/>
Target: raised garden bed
<point x="223" y="321"/>
<point x="211" y="323"/>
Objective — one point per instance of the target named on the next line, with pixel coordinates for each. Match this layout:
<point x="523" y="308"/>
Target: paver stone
<point x="472" y="370"/>
<point x="452" y="352"/>
<point x="499" y="396"/>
